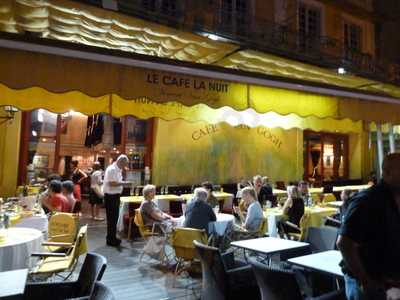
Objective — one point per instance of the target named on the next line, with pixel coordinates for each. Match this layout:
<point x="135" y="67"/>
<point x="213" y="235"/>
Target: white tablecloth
<point x="16" y="248"/>
<point x="219" y="227"/>
<point x="36" y="222"/>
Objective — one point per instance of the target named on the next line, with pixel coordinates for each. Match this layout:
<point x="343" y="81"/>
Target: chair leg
<point x="176" y="273"/>
<point x="129" y="229"/>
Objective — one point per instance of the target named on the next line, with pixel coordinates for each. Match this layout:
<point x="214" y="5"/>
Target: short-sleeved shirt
<point x="112" y="174"/>
<point x="96" y="179"/>
<point x="146" y="209"/>
<point x="372" y="220"/>
<point x="60" y="203"/>
<point x="198" y="215"/>
<point x="254" y="217"/>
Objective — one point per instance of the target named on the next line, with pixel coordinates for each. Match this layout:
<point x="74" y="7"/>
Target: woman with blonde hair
<point x="294" y="206"/>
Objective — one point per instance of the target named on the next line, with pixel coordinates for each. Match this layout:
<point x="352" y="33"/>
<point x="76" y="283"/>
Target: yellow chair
<point x="302" y="228"/>
<point x="53" y="263"/>
<point x="63" y="227"/>
<point x="145" y="231"/>
<point x="263" y="227"/>
<point x="182" y="242"/>
<point x="329" y="198"/>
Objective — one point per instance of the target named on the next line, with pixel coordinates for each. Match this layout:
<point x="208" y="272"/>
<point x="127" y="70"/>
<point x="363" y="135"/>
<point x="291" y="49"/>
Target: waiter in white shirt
<point x="112" y="188"/>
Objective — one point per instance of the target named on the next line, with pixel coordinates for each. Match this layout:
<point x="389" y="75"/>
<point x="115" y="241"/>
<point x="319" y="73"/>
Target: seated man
<point x="199" y="213"/>
<point x="55" y="201"/>
<point x="150" y="212"/>
<point x="255" y="214"/>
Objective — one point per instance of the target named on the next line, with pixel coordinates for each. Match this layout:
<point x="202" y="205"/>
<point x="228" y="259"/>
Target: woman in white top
<point x="96" y="194"/>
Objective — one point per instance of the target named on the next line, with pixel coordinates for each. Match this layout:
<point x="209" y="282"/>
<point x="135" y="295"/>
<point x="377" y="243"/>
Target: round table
<point x="223" y="222"/>
<point x="218" y="227"/>
<point x="17" y="246"/>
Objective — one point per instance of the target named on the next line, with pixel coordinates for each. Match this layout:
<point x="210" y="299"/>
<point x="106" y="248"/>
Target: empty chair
<point x="278" y="284"/>
<point x="322" y="238"/>
<point x="330" y="197"/>
<point x="224" y="277"/>
<point x="102" y="292"/>
<point x="92" y="269"/>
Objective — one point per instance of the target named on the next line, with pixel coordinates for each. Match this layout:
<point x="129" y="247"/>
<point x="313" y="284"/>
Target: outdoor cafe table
<point x="13" y="284"/>
<point x="317" y="215"/>
<point x="162" y="202"/>
<point x="324" y="262"/>
<point x="269" y="245"/>
<point x="219" y="227"/>
<point x="16" y="246"/>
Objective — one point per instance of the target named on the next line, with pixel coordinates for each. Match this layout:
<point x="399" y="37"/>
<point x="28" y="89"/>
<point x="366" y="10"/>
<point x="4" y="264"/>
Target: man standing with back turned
<point x="112" y="189"/>
<point x="370" y="237"/>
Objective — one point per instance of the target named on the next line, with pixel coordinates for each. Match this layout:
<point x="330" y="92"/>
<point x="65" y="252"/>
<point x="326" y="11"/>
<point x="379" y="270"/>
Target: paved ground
<point x="130" y="279"/>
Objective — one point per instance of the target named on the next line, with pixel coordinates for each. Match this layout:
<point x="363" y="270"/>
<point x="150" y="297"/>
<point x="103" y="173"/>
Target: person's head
<point x="345" y="195"/>
<point x="265" y="180"/>
<point x="122" y="161"/>
<point x="303" y="187"/>
<point x="200" y="194"/>
<point x="149" y="191"/>
<point x="249" y="195"/>
<point x="391" y="170"/>
<point x="67" y="187"/>
<point x="53" y="176"/>
<point x="55" y="187"/>
<point x="96" y="166"/>
<point x="76" y="177"/>
<point x="74" y="164"/>
<point x="293" y="191"/>
<point x="208" y="186"/>
<point x="257" y="181"/>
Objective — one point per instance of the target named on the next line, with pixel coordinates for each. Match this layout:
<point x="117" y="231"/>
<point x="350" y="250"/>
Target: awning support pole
<point x="379" y="142"/>
<point x="392" y="142"/>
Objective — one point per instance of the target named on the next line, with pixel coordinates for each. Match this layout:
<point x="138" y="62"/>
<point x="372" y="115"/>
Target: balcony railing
<point x="264" y="35"/>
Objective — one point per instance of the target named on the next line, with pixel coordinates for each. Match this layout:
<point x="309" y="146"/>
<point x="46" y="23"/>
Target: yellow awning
<point x="144" y="108"/>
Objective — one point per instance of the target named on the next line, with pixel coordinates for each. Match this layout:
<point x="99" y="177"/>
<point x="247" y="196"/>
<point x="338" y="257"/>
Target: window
<point x="309" y="26"/>
<point x="352" y="37"/>
<point x="169" y="7"/>
<point x="235" y="15"/>
<point x="149" y="4"/>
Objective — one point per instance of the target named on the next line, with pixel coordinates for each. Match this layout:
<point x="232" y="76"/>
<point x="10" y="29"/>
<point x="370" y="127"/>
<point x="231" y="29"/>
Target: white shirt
<point x="96" y="179"/>
<point x="112" y="174"/>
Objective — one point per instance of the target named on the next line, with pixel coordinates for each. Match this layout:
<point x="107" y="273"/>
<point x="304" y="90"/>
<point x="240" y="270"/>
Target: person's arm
<point x="351" y="256"/>
<point x="212" y="215"/>
<point x="353" y="233"/>
<point x="83" y="174"/>
<point x="288" y="204"/>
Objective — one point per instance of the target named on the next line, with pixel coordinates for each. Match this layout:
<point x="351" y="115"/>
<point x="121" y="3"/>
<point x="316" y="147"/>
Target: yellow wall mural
<point x="188" y="153"/>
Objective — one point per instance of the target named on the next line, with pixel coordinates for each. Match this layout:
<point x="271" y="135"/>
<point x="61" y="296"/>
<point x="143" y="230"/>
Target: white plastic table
<point x="324" y="262"/>
<point x="17" y="246"/>
<point x="269" y="245"/>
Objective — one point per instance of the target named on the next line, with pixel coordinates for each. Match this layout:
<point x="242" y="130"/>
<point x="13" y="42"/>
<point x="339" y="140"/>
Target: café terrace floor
<point x="128" y="278"/>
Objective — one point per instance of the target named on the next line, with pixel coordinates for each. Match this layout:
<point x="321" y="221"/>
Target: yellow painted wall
<point x="188" y="153"/>
<point x="355" y="155"/>
<point x="9" y="155"/>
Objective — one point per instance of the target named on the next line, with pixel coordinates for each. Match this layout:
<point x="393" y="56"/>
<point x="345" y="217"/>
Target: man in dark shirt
<point x="264" y="191"/>
<point x="198" y="212"/>
<point x="370" y="237"/>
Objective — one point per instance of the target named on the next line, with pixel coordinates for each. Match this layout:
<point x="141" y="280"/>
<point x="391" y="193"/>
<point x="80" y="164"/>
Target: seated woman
<point x="55" y="201"/>
<point x="293" y="209"/>
<point x="199" y="213"/>
<point x="68" y="192"/>
<point x="149" y="210"/>
<point x="255" y="214"/>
